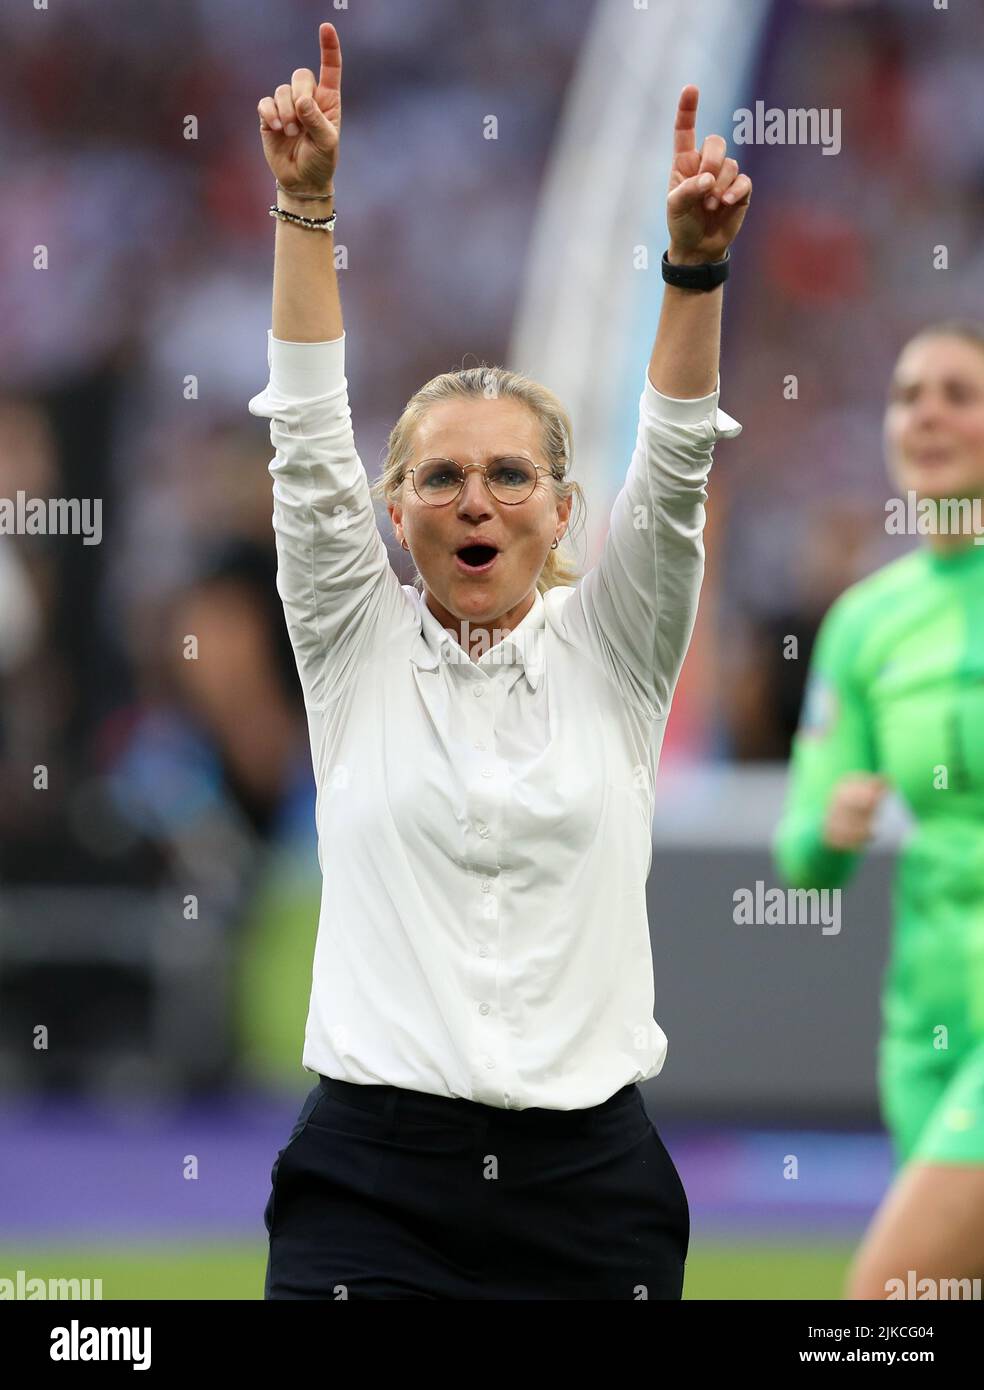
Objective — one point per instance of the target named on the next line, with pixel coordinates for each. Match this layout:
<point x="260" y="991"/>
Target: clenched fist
<point x="299" y="124"/>
<point x="852" y="808"/>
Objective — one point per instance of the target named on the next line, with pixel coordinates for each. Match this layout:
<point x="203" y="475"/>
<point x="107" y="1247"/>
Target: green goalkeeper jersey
<point x="896" y="687"/>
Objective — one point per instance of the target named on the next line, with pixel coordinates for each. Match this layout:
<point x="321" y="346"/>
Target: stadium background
<point x="170" y="1037"/>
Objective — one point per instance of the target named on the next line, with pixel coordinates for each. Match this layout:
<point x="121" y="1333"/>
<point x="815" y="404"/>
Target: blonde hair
<point x="486" y="382"/>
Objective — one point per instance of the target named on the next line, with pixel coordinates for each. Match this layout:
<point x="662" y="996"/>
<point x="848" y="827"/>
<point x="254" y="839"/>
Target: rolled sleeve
<point x="305" y="371"/>
<point x="697" y="411"/>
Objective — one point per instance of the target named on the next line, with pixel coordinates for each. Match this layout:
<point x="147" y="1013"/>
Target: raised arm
<point x="635" y="610"/>
<point x="338" y="589"/>
<point x="300" y="126"/>
<point x="707" y="202"/>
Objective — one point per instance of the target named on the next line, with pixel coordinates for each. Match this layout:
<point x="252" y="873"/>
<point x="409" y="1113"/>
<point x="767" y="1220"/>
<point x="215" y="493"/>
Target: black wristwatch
<point x="697" y="277"/>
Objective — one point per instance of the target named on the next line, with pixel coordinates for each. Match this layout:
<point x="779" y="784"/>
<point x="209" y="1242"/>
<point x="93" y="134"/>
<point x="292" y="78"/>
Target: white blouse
<point x="484" y="827"/>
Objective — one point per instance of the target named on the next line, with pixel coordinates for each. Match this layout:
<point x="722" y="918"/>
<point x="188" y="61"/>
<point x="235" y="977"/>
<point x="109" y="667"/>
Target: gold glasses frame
<point x="483" y="469"/>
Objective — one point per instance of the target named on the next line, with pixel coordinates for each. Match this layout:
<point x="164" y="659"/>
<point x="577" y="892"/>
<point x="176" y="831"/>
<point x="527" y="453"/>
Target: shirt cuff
<point x="694" y="411"/>
<point x="300" y="371"/>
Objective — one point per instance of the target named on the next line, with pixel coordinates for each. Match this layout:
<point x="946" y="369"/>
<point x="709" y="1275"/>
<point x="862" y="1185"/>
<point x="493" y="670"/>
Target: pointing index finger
<point x="331" y="58"/>
<point x="684" y="131"/>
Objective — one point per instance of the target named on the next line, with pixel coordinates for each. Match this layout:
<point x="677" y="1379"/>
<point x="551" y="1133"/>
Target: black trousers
<point x="382" y="1192"/>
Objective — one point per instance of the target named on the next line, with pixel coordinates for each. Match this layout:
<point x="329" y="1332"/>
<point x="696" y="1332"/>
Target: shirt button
<point x="483" y="1008"/>
<point x="480" y="747"/>
<point x="479" y="691"/>
<point x="482" y="828"/>
<point x="489" y="1062"/>
<point x="486" y="772"/>
<point x="483" y="950"/>
<point x="486" y="886"/>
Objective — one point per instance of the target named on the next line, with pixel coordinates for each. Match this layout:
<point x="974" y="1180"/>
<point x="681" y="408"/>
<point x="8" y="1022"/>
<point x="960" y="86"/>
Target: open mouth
<point x="476" y="558"/>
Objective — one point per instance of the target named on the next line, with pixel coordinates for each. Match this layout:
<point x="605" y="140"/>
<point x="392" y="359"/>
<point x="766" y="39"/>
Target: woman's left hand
<point x="708" y="195"/>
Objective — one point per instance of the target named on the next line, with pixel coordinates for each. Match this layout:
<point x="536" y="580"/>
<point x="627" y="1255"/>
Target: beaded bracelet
<point x="314" y="224"/>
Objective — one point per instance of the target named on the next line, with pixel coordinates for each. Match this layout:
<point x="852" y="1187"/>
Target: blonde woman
<point x="484" y="746"/>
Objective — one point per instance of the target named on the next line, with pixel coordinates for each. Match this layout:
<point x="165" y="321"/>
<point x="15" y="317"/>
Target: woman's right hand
<point x="852" y="809"/>
<point x="304" y="161"/>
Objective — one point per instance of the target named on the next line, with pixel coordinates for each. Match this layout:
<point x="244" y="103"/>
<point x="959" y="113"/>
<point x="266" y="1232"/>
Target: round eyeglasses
<point x="510" y="480"/>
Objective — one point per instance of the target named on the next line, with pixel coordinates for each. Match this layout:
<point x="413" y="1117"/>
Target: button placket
<point x="481" y="779"/>
<point x="484" y="789"/>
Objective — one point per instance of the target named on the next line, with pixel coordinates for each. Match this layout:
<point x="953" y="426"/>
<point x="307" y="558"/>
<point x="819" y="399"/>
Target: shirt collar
<point x="522" y="647"/>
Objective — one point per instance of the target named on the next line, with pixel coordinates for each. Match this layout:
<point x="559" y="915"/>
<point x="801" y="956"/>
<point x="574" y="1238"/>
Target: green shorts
<point x="933" y="1106"/>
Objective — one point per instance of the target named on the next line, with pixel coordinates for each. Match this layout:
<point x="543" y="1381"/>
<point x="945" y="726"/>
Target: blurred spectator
<point x="837" y="272"/>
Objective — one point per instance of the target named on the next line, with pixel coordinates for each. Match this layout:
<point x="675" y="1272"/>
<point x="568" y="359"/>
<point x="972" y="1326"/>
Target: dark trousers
<point x="382" y="1192"/>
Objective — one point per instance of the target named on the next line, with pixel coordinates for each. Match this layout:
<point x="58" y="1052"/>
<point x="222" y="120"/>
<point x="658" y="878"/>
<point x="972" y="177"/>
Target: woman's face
<point x="475" y="431"/>
<point x="934" y="421"/>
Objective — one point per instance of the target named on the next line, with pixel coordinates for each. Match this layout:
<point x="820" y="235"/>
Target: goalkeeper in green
<point x="895" y="699"/>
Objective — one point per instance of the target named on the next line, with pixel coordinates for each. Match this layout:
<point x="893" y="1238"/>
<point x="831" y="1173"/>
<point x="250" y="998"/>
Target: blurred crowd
<point x="834" y="272"/>
<point x="135" y="268"/>
<point x="132" y="343"/>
